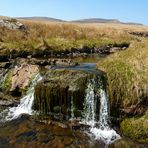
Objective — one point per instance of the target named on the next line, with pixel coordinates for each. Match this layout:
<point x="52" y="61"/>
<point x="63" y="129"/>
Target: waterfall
<point x="103" y="131"/>
<point x="72" y="109"/>
<point x="89" y="104"/>
<point x="25" y="106"/>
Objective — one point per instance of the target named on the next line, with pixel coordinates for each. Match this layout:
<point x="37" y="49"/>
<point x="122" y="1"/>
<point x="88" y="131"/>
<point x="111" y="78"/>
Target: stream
<point x="21" y="126"/>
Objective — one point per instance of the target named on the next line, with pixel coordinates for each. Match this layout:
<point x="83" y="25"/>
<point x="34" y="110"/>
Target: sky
<point x="124" y="10"/>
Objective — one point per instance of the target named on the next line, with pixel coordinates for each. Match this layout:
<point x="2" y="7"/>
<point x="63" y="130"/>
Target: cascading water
<point x="104" y="132"/>
<point x="25" y="106"/>
<point x="89" y="104"/>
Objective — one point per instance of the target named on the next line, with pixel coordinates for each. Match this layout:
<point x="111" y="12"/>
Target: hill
<point x="97" y="20"/>
<point x="37" y="18"/>
<point x="87" y="20"/>
<point x="100" y="20"/>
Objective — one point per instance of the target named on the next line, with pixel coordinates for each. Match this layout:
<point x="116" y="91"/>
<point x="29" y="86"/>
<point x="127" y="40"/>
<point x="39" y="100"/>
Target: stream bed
<point x="22" y="127"/>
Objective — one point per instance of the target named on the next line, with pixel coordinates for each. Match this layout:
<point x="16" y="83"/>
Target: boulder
<point x="62" y="91"/>
<point x="21" y="77"/>
<point x="16" y="81"/>
<point x="12" y="24"/>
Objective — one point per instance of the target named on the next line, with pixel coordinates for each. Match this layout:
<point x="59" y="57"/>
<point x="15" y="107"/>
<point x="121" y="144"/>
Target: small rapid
<point x="100" y="129"/>
<point x="25" y="106"/>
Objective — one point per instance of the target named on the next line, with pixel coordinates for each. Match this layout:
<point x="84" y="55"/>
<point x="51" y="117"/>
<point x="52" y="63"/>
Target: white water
<point x="25" y="106"/>
<point x="89" y="104"/>
<point x="72" y="110"/>
<point x="104" y="132"/>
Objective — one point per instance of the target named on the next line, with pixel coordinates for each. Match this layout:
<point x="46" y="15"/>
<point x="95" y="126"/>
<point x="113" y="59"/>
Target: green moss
<point x="136" y="128"/>
<point x="7" y="82"/>
<point x="62" y="90"/>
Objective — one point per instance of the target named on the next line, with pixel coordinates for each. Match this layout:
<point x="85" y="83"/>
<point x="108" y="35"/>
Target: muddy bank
<point x="43" y="51"/>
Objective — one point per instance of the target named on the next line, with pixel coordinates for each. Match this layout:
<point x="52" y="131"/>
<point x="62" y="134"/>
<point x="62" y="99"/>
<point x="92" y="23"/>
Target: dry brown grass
<point x="63" y="36"/>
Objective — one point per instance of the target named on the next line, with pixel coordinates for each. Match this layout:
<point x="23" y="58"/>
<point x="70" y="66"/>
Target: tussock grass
<point x="127" y="73"/>
<point x="61" y="36"/>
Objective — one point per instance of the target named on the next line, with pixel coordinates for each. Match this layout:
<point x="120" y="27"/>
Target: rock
<point x="112" y="48"/>
<point x="21" y="77"/>
<point x="5" y="65"/>
<point x="28" y="132"/>
<point x="7" y="100"/>
<point x="76" y="125"/>
<point x="58" y="62"/>
<point x="141" y="34"/>
<point x="10" y="103"/>
<point x="15" y="81"/>
<point x="115" y="49"/>
<point x="4" y="58"/>
<point x="60" y="90"/>
<point x="124" y="143"/>
<point x="12" y="24"/>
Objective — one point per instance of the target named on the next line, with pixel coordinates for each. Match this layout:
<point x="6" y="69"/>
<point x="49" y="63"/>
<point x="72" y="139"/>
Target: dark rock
<point x="58" y="62"/>
<point x="4" y="58"/>
<point x="5" y="65"/>
<point x="76" y="125"/>
<point x="141" y="34"/>
<point x="7" y="100"/>
<point x="109" y="49"/>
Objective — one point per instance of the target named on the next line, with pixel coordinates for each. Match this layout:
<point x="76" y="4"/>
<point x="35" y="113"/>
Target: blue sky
<point x="124" y="10"/>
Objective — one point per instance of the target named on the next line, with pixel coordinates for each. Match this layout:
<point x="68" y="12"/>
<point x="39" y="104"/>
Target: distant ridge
<point x="97" y="20"/>
<point x="38" y="18"/>
<point x="100" y="20"/>
<point x="87" y="20"/>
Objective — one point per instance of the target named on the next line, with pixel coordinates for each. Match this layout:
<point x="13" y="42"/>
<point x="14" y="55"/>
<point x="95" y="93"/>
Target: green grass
<point x="127" y="73"/>
<point x="136" y="128"/>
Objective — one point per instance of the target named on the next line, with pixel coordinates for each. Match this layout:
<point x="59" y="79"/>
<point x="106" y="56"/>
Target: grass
<point x="136" y="128"/>
<point x="61" y="37"/>
<point x="127" y="75"/>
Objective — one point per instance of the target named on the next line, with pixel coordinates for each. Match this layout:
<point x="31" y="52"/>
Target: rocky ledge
<point x="63" y="91"/>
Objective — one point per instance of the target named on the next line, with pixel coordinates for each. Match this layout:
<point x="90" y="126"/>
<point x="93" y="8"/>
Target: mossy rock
<point x="61" y="90"/>
<point x="17" y="80"/>
<point x="136" y="128"/>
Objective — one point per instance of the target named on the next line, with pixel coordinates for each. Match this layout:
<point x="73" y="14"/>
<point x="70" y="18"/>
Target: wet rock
<point x="7" y="100"/>
<point x="60" y="90"/>
<point x="76" y="125"/>
<point x="59" y="62"/>
<point x="15" y="81"/>
<point x="12" y="24"/>
<point x="28" y="132"/>
<point x="21" y="77"/>
<point x="124" y="143"/>
<point x="4" y="58"/>
<point x="109" y="49"/>
<point x="5" y="65"/>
